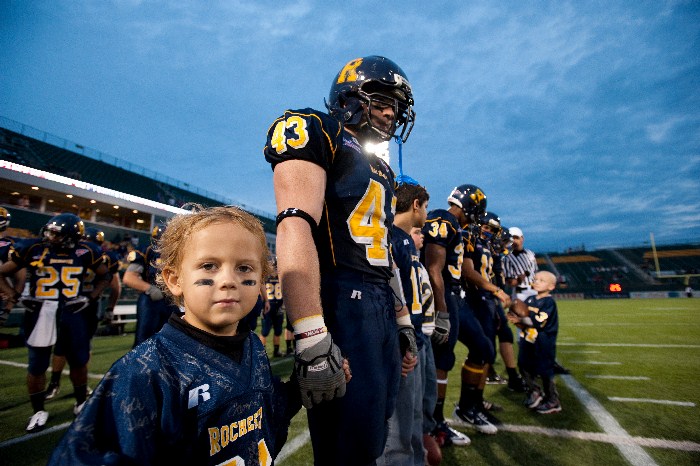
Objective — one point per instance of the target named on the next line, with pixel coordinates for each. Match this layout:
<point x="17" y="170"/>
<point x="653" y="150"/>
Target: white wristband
<point x="308" y="331"/>
<point x="404" y="321"/>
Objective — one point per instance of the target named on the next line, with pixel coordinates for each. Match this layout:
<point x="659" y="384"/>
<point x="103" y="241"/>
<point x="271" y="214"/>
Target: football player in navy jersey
<point x="152" y="311"/>
<point x="273" y="313"/>
<point x="91" y="312"/>
<point x="478" y="323"/>
<point x="7" y="245"/>
<point x="200" y="391"/>
<point x="500" y="244"/>
<point x="442" y="255"/>
<point x="58" y="263"/>
<point x="334" y="202"/>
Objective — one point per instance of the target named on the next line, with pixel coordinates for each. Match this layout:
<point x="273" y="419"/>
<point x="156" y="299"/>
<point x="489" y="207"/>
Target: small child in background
<point x="538" y="320"/>
<point x="201" y="390"/>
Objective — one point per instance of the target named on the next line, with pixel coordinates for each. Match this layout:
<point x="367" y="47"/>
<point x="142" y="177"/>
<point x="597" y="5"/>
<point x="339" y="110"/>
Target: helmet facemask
<point x="58" y="238"/>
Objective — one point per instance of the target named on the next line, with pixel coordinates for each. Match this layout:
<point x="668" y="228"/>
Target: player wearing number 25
<point x="58" y="263"/>
<point x="334" y="200"/>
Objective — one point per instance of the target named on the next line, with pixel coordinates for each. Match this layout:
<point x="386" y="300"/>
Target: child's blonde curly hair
<point x="171" y="244"/>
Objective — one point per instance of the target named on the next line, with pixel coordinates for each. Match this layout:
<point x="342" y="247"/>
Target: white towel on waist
<point x="44" y="333"/>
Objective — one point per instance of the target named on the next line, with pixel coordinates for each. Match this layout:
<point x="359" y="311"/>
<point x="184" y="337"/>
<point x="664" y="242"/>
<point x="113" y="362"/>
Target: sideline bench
<point x="123" y="314"/>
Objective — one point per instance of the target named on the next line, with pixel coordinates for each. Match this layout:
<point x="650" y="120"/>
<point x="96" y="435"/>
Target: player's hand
<point x="442" y="328"/>
<point x="408" y="363"/>
<point x="519" y="308"/>
<point x="320" y="372"/>
<point x="155" y="293"/>
<point x="407" y="340"/>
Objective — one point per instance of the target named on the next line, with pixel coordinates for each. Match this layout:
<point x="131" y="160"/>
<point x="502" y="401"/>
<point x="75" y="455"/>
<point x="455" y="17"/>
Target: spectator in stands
<point x="538" y="321"/>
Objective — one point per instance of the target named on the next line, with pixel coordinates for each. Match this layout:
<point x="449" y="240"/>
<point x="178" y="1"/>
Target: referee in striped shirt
<point x="520" y="266"/>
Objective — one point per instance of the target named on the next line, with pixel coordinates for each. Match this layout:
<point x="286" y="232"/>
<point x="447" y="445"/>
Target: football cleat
<point x="37" y="421"/>
<point x="533" y="400"/>
<point x="549" y="407"/>
<point x="495" y="379"/>
<point x="446" y="436"/>
<point x="78" y="407"/>
<point x="52" y="391"/>
<point x="474" y="419"/>
<point x="517" y="384"/>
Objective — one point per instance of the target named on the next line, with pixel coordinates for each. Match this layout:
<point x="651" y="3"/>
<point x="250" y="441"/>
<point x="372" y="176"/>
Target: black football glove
<point x="442" y="328"/>
<point x="407" y="340"/>
<point x="319" y="371"/>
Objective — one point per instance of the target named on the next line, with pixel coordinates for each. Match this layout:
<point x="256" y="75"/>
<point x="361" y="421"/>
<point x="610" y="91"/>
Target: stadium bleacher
<point x="589" y="272"/>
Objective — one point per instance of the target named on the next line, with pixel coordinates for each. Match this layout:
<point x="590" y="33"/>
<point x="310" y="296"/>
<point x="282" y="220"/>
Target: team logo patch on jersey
<point x="352" y="143"/>
<point x="4" y="243"/>
<point x="81" y="252"/>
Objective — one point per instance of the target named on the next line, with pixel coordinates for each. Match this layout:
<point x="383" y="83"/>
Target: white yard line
<point x="65" y="372"/>
<point x="26" y="437"/>
<point x="649" y="400"/>
<point x="617" y="377"/>
<point x="627" y="345"/>
<point x="604" y="437"/>
<point x="578" y="352"/>
<point x="292" y="446"/>
<point x="599" y="363"/>
<point x="634" y="453"/>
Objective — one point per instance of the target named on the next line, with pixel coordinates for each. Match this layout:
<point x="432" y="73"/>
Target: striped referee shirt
<point x="519" y="263"/>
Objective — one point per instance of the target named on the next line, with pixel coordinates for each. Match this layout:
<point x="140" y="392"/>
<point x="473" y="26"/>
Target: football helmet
<point x="4" y="219"/>
<point x="94" y="235"/>
<point x="503" y="243"/>
<point x="471" y="199"/>
<point x="157" y="232"/>
<point x="64" y="230"/>
<point x="493" y="221"/>
<point x="376" y="82"/>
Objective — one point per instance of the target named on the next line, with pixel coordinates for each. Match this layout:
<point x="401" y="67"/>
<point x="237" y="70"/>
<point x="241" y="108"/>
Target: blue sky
<point x="580" y="120"/>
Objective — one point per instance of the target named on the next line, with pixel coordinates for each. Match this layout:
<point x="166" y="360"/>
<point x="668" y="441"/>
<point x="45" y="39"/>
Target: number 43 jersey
<point x="57" y="274"/>
<point x="359" y="200"/>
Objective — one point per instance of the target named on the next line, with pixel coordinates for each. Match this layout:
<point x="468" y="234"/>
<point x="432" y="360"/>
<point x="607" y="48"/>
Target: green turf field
<point x="633" y="396"/>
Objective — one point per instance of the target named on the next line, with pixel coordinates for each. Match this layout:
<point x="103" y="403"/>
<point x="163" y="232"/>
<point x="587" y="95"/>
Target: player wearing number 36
<point x="334" y="200"/>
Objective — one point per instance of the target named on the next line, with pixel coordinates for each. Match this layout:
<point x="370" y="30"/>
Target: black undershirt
<point x="231" y="347"/>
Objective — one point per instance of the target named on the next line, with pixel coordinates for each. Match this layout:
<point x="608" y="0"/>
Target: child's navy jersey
<point x="545" y="320"/>
<point x="148" y="259"/>
<point x="407" y="260"/>
<point x="56" y="274"/>
<point x="359" y="200"/>
<point x="173" y="400"/>
<point x="273" y="289"/>
<point x="442" y="229"/>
